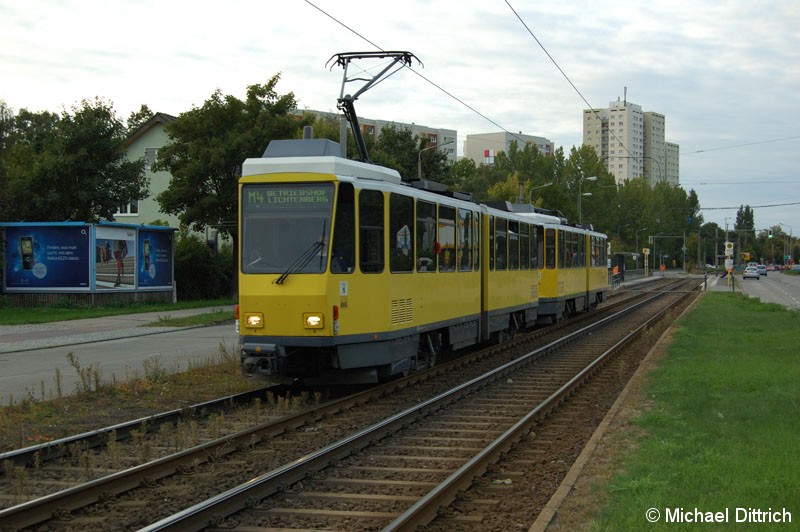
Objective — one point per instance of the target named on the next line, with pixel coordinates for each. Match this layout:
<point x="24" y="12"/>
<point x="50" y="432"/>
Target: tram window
<point x="447" y="239"/>
<point x="370" y="231"/>
<point x="513" y="245"/>
<point x="550" y="248"/>
<point x="401" y="229"/>
<point x="536" y="242"/>
<point x="597" y="258"/>
<point x="491" y="242"/>
<point x="464" y="240"/>
<point x="562" y="249"/>
<point x="570" y="248"/>
<point x="603" y="252"/>
<point x="580" y="258"/>
<point x="344" y="237"/>
<point x="524" y="246"/>
<point x="500" y="244"/>
<point x="426" y="236"/>
<point x="598" y="252"/>
<point x="476" y="242"/>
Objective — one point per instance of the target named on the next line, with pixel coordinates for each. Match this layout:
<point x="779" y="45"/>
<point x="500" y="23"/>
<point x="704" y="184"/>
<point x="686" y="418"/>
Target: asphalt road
<point x="29" y="365"/>
<point x="774" y="288"/>
<point x="32" y="356"/>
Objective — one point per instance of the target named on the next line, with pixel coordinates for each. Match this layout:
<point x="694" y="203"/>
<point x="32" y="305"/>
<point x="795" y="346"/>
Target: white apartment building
<point x="444" y="138"/>
<point x="631" y="142"/>
<point x="673" y="167"/>
<point x="483" y="147"/>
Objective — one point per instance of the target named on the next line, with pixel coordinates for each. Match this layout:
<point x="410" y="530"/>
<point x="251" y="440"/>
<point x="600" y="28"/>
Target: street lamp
<point x="530" y="192"/>
<point x="636" y="235"/>
<point x="580" y="195"/>
<point x="419" y="156"/>
<point x="788" y="245"/>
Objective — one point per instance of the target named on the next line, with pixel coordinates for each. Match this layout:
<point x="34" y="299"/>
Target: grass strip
<point x="720" y="437"/>
<point x="10" y="315"/>
<point x="207" y="318"/>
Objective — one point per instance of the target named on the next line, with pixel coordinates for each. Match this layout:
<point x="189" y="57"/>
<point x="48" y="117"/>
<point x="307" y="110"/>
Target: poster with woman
<point x="115" y="258"/>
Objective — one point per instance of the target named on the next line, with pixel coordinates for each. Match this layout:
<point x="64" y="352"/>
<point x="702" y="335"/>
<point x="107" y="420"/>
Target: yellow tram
<point x="349" y="274"/>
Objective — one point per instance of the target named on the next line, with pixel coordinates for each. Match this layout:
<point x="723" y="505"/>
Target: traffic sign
<point x="729" y="249"/>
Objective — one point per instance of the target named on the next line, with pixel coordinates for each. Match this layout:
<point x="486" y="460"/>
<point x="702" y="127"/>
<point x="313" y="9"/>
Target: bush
<point x="199" y="272"/>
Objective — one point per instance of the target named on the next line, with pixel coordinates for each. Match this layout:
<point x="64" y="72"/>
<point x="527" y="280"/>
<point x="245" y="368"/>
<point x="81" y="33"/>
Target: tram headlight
<point x="254" y="320"/>
<point x="313" y="320"/>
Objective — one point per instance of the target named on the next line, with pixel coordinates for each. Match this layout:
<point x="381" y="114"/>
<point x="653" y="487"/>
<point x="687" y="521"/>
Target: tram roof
<point x="322" y="164"/>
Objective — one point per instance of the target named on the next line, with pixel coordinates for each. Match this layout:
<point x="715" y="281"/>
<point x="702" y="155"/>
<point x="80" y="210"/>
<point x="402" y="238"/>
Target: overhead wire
<point x="594" y="111"/>
<point x="442" y="89"/>
<point x="741" y="145"/>
<point x="563" y="73"/>
<point x="751" y="206"/>
<point x="552" y="59"/>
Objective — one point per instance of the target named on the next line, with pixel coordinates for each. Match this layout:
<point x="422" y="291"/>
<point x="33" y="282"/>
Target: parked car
<point x="751" y="272"/>
<point x="762" y="270"/>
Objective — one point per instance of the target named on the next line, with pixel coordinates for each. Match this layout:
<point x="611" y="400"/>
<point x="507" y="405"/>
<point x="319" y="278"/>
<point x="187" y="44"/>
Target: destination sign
<point x="283" y="196"/>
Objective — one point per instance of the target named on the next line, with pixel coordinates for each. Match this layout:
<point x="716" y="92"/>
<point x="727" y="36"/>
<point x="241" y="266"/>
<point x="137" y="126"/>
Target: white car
<point x="751" y="272"/>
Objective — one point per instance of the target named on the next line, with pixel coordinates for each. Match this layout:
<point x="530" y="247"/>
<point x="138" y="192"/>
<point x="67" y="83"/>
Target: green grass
<point x="18" y="316"/>
<point x="723" y="429"/>
<point x="208" y="318"/>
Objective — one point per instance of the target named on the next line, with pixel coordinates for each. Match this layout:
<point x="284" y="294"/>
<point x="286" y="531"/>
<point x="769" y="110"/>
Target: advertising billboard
<point x="78" y="257"/>
<point x="47" y="257"/>
<point x="115" y="258"/>
<point x="155" y="251"/>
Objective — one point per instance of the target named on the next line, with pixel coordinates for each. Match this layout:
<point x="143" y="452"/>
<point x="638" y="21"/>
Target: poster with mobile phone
<point x="26" y="252"/>
<point x="43" y="256"/>
<point x="155" y="264"/>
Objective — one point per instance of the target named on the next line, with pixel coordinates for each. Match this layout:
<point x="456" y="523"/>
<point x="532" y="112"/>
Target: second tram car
<point x="574" y="272"/>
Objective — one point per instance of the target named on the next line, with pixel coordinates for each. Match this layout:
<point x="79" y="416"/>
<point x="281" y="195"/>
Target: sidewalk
<point x="720" y="284"/>
<point x="14" y="338"/>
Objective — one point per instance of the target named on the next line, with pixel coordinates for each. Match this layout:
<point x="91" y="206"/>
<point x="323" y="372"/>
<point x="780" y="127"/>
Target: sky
<point x="726" y="74"/>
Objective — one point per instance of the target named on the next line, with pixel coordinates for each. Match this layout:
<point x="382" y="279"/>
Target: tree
<point x="139" y="118"/>
<point x="507" y="190"/>
<point x="70" y="167"/>
<point x="208" y="146"/>
<point x="711" y="242"/>
<point x="461" y="175"/>
<point x="745" y="225"/>
<point x="396" y="148"/>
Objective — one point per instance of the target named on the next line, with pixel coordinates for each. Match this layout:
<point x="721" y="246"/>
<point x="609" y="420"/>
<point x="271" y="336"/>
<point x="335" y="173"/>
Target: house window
<point x="150" y="157"/>
<point x="131" y="209"/>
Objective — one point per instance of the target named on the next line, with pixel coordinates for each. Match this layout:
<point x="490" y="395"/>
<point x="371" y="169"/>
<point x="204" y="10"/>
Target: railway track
<point x="51" y="466"/>
<point x="266" y="446"/>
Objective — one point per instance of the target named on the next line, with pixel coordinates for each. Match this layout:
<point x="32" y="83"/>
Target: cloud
<point x="722" y="73"/>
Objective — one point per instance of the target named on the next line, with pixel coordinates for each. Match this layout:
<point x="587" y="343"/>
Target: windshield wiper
<point x="305" y="257"/>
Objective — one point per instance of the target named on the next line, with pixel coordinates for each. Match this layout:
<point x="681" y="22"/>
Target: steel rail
<point x="38" y="510"/>
<point x="98" y="438"/>
<point x="41" y="509"/>
<point x="426" y="509"/>
<point x="214" y="510"/>
<point x="93" y="439"/>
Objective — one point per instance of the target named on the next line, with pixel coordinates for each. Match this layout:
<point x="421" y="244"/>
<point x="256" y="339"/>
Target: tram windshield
<point x="286" y="227"/>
